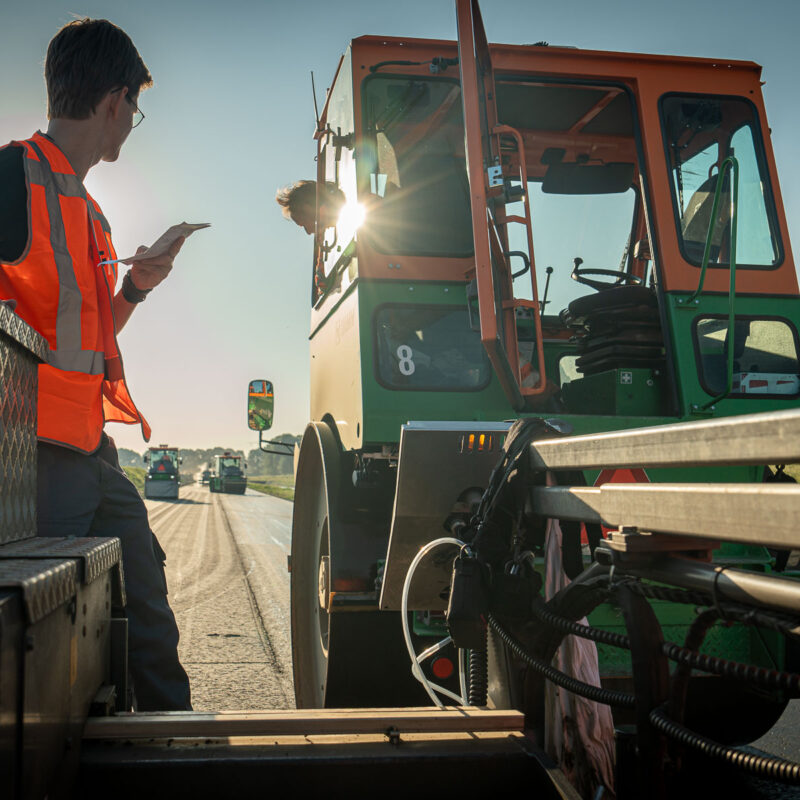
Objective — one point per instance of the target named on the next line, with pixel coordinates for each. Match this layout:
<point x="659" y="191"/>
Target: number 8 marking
<point x="405" y="357"/>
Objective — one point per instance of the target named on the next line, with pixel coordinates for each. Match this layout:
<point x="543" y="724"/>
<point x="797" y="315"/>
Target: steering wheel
<point x="622" y="278"/>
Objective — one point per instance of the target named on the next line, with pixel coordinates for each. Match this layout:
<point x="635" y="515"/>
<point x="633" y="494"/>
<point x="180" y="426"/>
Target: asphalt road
<point x="229" y="589"/>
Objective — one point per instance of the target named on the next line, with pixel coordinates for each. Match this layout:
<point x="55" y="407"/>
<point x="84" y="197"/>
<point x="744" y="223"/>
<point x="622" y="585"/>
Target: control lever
<point x="472" y="294"/>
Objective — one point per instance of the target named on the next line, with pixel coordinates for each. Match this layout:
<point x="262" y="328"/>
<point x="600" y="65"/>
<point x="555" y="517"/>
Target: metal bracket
<point x="494" y="176"/>
<point x="631" y="540"/>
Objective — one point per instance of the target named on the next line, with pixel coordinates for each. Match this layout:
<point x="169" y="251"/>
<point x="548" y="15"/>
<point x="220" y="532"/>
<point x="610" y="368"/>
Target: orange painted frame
<point x="483" y="130"/>
<point x="649" y="77"/>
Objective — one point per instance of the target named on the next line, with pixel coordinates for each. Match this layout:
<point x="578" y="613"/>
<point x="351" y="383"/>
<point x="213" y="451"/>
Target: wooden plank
<point x="301" y="722"/>
<point x="769" y="438"/>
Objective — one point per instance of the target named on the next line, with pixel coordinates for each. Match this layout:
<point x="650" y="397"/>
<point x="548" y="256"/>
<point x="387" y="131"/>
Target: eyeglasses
<point x="138" y="114"/>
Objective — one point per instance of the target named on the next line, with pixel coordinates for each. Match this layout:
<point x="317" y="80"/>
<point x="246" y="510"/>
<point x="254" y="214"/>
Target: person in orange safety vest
<point x="56" y="263"/>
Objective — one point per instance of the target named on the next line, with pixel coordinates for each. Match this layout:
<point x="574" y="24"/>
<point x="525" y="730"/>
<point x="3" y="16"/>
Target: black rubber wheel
<point x="345" y="658"/>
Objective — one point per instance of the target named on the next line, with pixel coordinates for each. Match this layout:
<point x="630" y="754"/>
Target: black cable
<point x="761" y="676"/>
<point x="762" y="766"/>
<point x="479" y="676"/>
<point x="774" y="620"/>
<point x="782" y="623"/>
<point x="585" y="632"/>
<point x="596" y="693"/>
<point x="669" y="593"/>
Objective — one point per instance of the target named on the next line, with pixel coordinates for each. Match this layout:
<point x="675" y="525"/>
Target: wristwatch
<point x="130" y="292"/>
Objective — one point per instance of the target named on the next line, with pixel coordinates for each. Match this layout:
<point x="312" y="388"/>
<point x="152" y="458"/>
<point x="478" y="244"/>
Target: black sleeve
<point x="13" y="204"/>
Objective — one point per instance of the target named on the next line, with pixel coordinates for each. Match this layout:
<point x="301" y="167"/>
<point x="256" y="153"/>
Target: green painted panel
<point x="386" y="409"/>
<point x="640" y="392"/>
<point x="682" y="321"/>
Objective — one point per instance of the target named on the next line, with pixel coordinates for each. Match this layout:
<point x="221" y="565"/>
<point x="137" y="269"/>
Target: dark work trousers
<point x="82" y="495"/>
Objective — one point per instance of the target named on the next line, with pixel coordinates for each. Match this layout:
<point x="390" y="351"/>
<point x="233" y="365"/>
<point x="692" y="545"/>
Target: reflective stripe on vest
<point x="67" y="295"/>
<point x="68" y="354"/>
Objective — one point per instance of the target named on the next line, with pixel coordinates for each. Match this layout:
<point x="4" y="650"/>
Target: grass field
<point x="277" y="485"/>
<point x="136" y="475"/>
<point x="793" y="470"/>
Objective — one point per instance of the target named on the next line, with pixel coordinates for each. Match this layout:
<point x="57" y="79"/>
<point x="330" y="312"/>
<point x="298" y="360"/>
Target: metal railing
<point x="655" y="522"/>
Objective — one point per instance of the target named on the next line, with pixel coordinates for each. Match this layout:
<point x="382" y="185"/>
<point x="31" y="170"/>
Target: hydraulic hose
<point x="585" y="632"/>
<point x="479" y="675"/>
<point x="596" y="693"/>
<point x="771" y="767"/>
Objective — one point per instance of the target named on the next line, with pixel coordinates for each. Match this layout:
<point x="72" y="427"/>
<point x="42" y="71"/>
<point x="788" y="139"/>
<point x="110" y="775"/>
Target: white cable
<point x="434" y="649"/>
<point x="462" y="674"/>
<point x="416" y="670"/>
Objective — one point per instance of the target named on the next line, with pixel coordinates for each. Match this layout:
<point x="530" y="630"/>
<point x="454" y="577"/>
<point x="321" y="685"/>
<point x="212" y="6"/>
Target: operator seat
<point x="616" y="328"/>
<point x="697" y="218"/>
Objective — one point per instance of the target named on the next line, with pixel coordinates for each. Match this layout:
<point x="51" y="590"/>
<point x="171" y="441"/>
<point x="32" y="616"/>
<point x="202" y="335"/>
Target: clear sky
<point x="230" y="120"/>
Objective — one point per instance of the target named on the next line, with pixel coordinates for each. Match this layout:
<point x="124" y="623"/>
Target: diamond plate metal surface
<point x="17" y="329"/>
<point x="97" y="555"/>
<point x="46" y="584"/>
<point x="21" y="348"/>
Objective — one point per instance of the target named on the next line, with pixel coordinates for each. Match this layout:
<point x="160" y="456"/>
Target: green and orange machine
<point x="227" y="474"/>
<point x="592" y="239"/>
<point x="162" y="478"/>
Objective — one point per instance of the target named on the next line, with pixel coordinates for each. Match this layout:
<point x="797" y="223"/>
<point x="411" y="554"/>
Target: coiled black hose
<point x="760" y="676"/>
<point x="771" y="767"/>
<point x="686" y="656"/>
<point x="478" y="676"/>
<point x="585" y="632"/>
<point x="670" y="593"/>
<point x="596" y="693"/>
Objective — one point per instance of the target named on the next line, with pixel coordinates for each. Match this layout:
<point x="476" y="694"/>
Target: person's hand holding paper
<point x="152" y="264"/>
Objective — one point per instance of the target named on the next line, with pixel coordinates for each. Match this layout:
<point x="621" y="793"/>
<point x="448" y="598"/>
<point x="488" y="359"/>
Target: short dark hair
<point x="292" y="197"/>
<point x="85" y="60"/>
<point x="304" y="193"/>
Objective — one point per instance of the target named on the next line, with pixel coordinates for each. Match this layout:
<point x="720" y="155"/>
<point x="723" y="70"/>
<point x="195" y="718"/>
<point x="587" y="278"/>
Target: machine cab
<point x="534" y="229"/>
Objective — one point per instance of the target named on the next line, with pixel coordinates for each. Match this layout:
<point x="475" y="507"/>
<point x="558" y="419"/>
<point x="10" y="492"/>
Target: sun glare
<point x="352" y="216"/>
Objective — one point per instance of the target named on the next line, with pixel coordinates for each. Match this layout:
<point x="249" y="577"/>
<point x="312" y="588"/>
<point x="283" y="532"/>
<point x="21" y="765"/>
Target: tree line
<point x="194" y="460"/>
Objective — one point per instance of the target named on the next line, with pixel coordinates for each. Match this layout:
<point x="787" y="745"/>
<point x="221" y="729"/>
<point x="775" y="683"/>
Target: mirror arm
<point x="280" y="448"/>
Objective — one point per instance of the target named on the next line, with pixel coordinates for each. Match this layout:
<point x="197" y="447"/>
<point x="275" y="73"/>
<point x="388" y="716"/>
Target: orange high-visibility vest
<point x="64" y="292"/>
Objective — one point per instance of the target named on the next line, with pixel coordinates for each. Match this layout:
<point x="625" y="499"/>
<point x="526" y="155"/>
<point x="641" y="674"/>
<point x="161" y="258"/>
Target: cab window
<point x="429" y="347"/>
<point x="764" y="356"/>
<point x="701" y="132"/>
<point x="582" y="185"/>
<point x="418" y="189"/>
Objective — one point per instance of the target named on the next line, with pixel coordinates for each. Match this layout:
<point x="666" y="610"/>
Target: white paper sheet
<point x="164" y="242"/>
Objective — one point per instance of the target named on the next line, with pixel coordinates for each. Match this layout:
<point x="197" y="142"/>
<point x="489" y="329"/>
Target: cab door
<point x="490" y="189"/>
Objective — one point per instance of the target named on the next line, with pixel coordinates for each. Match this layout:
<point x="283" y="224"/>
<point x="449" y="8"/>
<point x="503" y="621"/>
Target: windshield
<point x="163" y="460"/>
<point x="419" y="193"/>
<point x="583" y="174"/>
<point x="593" y="227"/>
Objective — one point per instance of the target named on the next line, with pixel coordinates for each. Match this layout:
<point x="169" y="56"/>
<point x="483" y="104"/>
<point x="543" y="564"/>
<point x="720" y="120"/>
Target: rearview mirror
<point x="260" y="405"/>
<point x="588" y="178"/>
